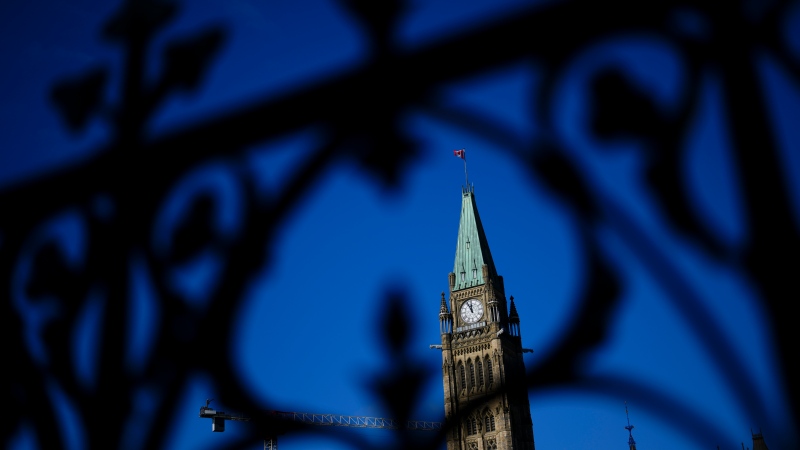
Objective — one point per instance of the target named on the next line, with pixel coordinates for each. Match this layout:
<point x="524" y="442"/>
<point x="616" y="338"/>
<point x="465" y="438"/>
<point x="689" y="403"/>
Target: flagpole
<point x="466" y="177"/>
<point x="462" y="153"/>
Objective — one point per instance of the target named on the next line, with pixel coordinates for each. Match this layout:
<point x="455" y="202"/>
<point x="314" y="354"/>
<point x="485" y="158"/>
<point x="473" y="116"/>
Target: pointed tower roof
<point x="443" y="306"/>
<point x="513" y="315"/>
<point x="472" y="249"/>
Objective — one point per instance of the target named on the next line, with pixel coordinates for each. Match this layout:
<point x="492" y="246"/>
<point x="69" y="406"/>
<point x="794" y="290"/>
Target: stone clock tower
<point x="482" y="366"/>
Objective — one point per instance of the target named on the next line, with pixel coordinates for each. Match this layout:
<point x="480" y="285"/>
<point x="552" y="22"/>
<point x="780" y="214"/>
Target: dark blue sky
<point x="351" y="240"/>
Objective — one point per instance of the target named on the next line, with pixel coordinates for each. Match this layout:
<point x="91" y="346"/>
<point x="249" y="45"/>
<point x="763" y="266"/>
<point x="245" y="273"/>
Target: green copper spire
<point x="472" y="249"/>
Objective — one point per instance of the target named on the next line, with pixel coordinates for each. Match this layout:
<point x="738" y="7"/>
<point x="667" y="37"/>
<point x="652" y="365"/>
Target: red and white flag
<point x="461" y="154"/>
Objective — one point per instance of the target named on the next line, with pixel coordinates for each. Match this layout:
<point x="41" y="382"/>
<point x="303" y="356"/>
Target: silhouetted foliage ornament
<point x="52" y="275"/>
<point x="386" y="157"/>
<point x="372" y="130"/>
<point x="379" y="19"/>
<point x="623" y="110"/>
<point x="195" y="230"/>
<point x="396" y="323"/>
<point x="399" y="386"/>
<point x="590" y="326"/>
<point x="559" y="174"/>
<point x="186" y="61"/>
<point x="80" y="98"/>
<point x="667" y="183"/>
<point x="139" y="18"/>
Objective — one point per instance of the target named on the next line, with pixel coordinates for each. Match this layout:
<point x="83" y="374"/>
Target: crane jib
<point x="218" y="419"/>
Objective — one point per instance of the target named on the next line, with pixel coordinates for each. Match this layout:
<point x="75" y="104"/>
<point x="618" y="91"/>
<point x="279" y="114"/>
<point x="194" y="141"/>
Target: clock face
<point x="471" y="310"/>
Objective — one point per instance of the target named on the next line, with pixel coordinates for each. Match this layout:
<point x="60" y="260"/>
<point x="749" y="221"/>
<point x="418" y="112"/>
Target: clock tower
<point x="482" y="365"/>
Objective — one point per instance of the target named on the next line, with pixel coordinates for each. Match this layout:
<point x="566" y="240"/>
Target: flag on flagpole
<point x="462" y="153"/>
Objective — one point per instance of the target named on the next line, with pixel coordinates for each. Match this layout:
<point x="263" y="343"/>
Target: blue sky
<point x="351" y="240"/>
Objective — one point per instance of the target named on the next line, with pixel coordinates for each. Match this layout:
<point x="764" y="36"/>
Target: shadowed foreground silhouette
<point x="70" y="238"/>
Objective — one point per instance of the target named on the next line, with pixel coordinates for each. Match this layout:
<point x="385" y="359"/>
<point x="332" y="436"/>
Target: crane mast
<point x="218" y="419"/>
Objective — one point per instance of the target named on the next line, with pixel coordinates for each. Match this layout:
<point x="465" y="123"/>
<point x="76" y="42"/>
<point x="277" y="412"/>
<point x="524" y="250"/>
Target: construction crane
<point x="218" y="419"/>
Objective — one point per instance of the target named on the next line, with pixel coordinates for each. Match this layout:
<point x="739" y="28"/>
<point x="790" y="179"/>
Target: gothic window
<point x="489" y="373"/>
<point x="472" y="426"/>
<point x="479" y="368"/>
<point x="488" y="421"/>
<point x="471" y="373"/>
<point x="462" y="375"/>
<point x="473" y="446"/>
<point x="491" y="444"/>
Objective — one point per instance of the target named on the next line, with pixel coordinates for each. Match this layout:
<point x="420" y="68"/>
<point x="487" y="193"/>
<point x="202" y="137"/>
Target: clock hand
<point x="470" y="307"/>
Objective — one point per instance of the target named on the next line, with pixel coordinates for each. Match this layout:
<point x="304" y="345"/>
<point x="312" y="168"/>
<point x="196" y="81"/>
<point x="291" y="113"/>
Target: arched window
<point x="472" y="425"/>
<point x="471" y="373"/>
<point x="489" y="373"/>
<point x="479" y="368"/>
<point x="462" y="375"/>
<point x="488" y="423"/>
